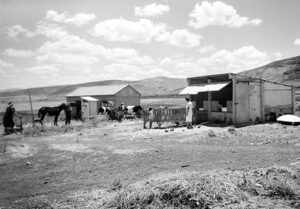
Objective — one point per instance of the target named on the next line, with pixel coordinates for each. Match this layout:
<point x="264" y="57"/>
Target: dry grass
<point x="274" y="187"/>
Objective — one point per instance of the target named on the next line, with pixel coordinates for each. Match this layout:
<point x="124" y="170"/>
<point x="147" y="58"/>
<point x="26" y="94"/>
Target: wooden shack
<point x="88" y="107"/>
<point x="235" y="99"/>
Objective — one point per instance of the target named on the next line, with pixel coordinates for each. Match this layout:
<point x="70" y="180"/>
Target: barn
<point x="116" y="94"/>
<point x="236" y="99"/>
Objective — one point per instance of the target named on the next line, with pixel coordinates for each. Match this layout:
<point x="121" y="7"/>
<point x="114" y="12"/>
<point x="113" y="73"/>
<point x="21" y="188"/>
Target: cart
<point x="162" y="115"/>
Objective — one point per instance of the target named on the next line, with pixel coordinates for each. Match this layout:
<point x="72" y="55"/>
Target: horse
<point x="103" y="109"/>
<point x="115" y="114"/>
<point x="138" y="110"/>
<point x="51" y="111"/>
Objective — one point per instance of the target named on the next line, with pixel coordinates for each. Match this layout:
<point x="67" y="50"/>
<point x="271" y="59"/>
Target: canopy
<point x="203" y="88"/>
<point x="90" y="99"/>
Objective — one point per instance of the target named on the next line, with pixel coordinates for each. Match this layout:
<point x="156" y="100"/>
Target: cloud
<point x="17" y="31"/>
<point x="4" y="64"/>
<point x="278" y="55"/>
<point x="144" y="31"/>
<point x="206" y="49"/>
<point x="218" y="13"/>
<point x="151" y="10"/>
<point x="44" y="69"/>
<point x="297" y="42"/>
<point x="132" y="72"/>
<point x="166" y="61"/>
<point x="52" y="31"/>
<point x="120" y="29"/>
<point x="241" y="59"/>
<point x="78" y="19"/>
<point x="181" y="38"/>
<point x="72" y="50"/>
<point x="67" y="59"/>
<point x="18" y="53"/>
<point x="46" y="29"/>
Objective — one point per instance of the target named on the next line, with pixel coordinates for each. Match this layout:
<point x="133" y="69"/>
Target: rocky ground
<point x="54" y="163"/>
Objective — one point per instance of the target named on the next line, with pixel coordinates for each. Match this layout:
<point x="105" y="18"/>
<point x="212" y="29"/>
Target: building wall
<point x="129" y="96"/>
<point x="276" y="94"/>
<point x="278" y="100"/>
<point x="222" y="117"/>
<point x="255" y="101"/>
<point x="242" y="114"/>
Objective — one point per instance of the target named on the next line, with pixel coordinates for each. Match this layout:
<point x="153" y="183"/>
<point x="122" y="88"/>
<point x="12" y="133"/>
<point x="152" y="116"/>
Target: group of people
<point x="10" y="111"/>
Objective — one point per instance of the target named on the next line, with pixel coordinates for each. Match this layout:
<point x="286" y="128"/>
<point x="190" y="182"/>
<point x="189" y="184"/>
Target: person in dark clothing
<point x="68" y="114"/>
<point x="8" y="121"/>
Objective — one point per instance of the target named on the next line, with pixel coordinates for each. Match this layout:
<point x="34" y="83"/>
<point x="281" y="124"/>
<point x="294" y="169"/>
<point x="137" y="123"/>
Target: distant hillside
<point x="150" y="86"/>
<point x="283" y="71"/>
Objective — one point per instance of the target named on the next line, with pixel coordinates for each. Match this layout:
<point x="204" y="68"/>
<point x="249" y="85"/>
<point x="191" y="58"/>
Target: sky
<point x="59" y="42"/>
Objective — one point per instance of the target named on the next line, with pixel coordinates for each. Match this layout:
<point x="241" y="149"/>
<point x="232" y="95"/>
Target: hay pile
<point x="274" y="187"/>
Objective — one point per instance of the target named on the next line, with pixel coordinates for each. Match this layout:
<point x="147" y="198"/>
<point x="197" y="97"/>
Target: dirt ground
<point x="59" y="162"/>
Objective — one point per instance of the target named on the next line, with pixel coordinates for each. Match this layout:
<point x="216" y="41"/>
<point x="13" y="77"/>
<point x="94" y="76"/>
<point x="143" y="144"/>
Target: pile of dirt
<point x="250" y="135"/>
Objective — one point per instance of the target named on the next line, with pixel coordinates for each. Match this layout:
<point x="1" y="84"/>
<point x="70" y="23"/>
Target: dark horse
<point x="137" y="110"/>
<point x="51" y="111"/>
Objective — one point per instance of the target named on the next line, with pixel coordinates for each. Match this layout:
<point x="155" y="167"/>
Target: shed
<point x="104" y="93"/>
<point x="88" y="107"/>
<point x="236" y="99"/>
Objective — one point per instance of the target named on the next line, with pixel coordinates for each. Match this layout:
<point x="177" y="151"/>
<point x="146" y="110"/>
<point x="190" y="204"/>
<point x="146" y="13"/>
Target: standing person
<point x="189" y="113"/>
<point x="8" y="121"/>
<point x="68" y="114"/>
<point x="122" y="107"/>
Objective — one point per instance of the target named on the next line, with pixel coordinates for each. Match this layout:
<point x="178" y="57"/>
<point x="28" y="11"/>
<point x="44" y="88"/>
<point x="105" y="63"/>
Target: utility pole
<point x="32" y="117"/>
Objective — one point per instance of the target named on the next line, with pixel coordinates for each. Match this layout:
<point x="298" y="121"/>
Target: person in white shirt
<point x="189" y="113"/>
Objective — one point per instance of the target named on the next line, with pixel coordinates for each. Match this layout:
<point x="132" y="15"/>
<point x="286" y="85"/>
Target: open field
<point x="104" y="164"/>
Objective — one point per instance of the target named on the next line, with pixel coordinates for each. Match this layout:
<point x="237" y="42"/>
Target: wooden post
<point x="209" y="102"/>
<point x="32" y="117"/>
<point x="234" y="77"/>
<point x="262" y="102"/>
<point x="293" y="99"/>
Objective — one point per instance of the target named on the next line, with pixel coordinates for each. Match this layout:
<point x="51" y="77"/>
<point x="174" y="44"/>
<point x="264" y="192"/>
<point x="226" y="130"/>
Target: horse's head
<point x="63" y="106"/>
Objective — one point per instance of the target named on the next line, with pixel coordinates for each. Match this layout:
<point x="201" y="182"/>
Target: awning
<point x="90" y="99"/>
<point x="203" y="88"/>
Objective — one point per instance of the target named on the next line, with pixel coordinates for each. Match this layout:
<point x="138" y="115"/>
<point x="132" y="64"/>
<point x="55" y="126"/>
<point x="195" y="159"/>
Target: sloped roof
<point x="97" y="90"/>
<point x="90" y="99"/>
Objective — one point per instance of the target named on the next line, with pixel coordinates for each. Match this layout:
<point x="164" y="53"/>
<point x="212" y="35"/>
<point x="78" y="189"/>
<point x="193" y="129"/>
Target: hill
<point x="150" y="86"/>
<point x="282" y="71"/>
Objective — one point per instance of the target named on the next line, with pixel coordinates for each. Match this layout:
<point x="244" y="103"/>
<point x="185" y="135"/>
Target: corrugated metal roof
<point x="97" y="90"/>
<point x="203" y="88"/>
<point x="91" y="99"/>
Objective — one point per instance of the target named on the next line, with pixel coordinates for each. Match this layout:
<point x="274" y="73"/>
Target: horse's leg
<point x="42" y="118"/>
<point x="55" y="120"/>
